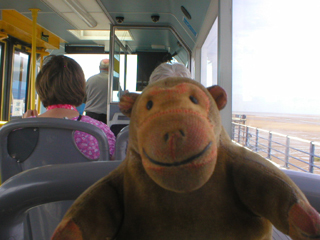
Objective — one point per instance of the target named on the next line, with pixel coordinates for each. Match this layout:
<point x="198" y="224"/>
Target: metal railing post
<point x="243" y="132"/>
<point x="311" y="158"/>
<point x="286" y="162"/>
<point x="257" y="139"/>
<point x="233" y="129"/>
<point x="269" y="145"/>
<point x="239" y="130"/>
<point x="247" y="136"/>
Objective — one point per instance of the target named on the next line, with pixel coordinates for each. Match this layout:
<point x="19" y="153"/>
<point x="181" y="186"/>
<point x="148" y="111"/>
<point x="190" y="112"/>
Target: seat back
<point x="116" y="120"/>
<point x="34" y="142"/>
<point x="57" y="183"/>
<point x="122" y="143"/>
<point x="310" y="185"/>
<point x="45" y="185"/>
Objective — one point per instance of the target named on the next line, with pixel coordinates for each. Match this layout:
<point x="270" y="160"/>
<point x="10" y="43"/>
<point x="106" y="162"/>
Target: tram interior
<point x="151" y="31"/>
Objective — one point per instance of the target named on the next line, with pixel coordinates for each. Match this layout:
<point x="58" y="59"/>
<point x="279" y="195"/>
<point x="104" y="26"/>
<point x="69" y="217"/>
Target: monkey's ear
<point x="126" y="103"/>
<point x="219" y="95"/>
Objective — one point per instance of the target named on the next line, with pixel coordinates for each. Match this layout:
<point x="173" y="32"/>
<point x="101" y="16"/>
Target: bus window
<point x="275" y="85"/>
<point x="128" y="72"/>
<point x="276" y="56"/>
<point x="131" y="81"/>
<point x="124" y="72"/>
<point x="209" y="57"/>
<point x="138" y="51"/>
<point x="19" y="83"/>
<point x="117" y="65"/>
<point x="89" y="62"/>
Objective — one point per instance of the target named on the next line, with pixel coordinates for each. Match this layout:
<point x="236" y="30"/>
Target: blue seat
<point x="122" y="143"/>
<point x="277" y="235"/>
<point x="57" y="183"/>
<point x="44" y="185"/>
<point x="310" y="185"/>
<point x="34" y="142"/>
<point x="66" y="182"/>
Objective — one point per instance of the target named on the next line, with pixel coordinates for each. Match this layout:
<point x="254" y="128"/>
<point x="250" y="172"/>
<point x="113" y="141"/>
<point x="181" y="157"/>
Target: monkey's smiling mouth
<point x="175" y="164"/>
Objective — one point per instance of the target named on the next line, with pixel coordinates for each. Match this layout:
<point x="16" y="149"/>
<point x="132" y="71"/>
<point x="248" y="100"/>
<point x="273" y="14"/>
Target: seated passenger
<point x="165" y="70"/>
<point x="61" y="88"/>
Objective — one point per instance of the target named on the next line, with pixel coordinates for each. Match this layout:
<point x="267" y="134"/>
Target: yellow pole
<point x="33" y="56"/>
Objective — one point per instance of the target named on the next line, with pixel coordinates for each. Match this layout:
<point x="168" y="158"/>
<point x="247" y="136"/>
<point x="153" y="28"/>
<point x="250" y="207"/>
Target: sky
<point x="276" y="56"/>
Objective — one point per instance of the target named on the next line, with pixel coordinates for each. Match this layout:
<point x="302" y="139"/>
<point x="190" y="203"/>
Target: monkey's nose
<point x="174" y="134"/>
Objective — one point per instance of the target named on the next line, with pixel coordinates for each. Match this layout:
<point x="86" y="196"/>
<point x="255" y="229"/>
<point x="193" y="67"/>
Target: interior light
<point x="157" y="46"/>
<point x="123" y="35"/>
<point x="78" y="9"/>
<point x="91" y="34"/>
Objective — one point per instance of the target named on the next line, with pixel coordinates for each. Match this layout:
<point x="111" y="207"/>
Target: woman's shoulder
<point x="104" y="127"/>
<point x="88" y="119"/>
<point x="99" y="124"/>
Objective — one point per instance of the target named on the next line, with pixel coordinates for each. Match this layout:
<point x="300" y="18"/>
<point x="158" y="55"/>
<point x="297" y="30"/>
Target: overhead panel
<point x="19" y="26"/>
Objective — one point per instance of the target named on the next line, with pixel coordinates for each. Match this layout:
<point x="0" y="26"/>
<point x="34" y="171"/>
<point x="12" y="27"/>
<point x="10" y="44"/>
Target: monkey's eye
<point x="193" y="99"/>
<point x="149" y="105"/>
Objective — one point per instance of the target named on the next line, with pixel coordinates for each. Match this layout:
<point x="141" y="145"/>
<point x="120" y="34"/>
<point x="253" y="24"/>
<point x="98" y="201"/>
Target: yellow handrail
<point x="2" y="123"/>
<point x="33" y="56"/>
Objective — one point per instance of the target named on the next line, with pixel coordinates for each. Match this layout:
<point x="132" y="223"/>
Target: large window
<point x="126" y="77"/>
<point x="276" y="56"/>
<point x="19" y="83"/>
<point x="276" y="77"/>
<point x="89" y="62"/>
<point x="131" y="81"/>
<point x="209" y="57"/>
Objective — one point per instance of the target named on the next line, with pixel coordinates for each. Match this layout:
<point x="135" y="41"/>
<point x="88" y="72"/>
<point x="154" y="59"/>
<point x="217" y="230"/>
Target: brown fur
<point x="183" y="178"/>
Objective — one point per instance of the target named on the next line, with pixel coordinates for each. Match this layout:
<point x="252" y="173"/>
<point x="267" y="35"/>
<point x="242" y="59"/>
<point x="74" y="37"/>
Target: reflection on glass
<point x="149" y="47"/>
<point x="116" y="74"/>
<point x="209" y="58"/>
<point x="19" y="83"/>
<point x="124" y="35"/>
<point x="131" y="82"/>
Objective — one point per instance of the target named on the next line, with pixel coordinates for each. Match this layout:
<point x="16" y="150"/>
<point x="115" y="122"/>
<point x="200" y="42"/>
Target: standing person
<point x="97" y="93"/>
<point x="61" y="87"/>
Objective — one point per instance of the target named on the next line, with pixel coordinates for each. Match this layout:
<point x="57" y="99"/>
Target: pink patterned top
<point x="86" y="143"/>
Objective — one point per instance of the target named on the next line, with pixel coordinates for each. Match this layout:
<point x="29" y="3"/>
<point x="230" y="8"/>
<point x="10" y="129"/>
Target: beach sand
<point x="303" y="126"/>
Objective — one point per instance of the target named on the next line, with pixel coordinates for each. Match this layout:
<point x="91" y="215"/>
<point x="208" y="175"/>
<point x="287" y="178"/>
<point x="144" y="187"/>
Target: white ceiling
<point x="91" y="6"/>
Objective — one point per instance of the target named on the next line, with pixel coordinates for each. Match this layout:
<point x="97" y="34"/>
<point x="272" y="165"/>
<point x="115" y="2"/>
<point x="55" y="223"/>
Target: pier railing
<point x="286" y="151"/>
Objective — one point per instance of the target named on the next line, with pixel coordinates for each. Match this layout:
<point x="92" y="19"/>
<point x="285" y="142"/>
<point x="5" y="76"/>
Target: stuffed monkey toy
<point x="183" y="178"/>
